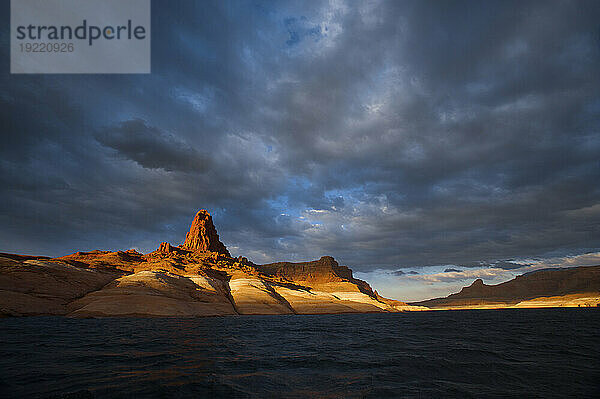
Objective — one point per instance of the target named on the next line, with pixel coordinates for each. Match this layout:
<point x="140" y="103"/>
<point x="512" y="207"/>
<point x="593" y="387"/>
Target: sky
<point x="404" y="138"/>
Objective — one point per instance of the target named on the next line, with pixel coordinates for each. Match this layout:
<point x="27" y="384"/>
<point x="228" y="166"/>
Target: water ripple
<point x="547" y="353"/>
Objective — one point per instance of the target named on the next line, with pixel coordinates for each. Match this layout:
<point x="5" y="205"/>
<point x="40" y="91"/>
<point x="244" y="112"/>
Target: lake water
<point x="545" y="353"/>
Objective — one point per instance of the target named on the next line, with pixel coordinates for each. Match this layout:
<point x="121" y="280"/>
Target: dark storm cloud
<point x="152" y="148"/>
<point x="382" y="133"/>
<point x="499" y="264"/>
<point x="451" y="270"/>
<point x="403" y="273"/>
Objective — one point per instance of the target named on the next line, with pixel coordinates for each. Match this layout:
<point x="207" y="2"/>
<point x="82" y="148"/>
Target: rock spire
<point x="203" y="235"/>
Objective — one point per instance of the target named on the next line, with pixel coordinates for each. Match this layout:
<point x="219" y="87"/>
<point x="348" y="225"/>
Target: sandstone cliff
<point x="197" y="278"/>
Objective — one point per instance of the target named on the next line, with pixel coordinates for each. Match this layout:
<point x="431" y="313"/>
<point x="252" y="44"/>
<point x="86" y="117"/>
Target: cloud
<point x="152" y="148"/>
<point x="488" y="275"/>
<point x="451" y="270"/>
<point x="384" y="134"/>
<point x="440" y="281"/>
<point x="403" y="273"/>
<point x="431" y="282"/>
<point x="588" y="259"/>
<point x="299" y="29"/>
<point x="499" y="264"/>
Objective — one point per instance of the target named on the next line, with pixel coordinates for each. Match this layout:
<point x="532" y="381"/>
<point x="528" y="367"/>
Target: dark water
<point x="506" y="353"/>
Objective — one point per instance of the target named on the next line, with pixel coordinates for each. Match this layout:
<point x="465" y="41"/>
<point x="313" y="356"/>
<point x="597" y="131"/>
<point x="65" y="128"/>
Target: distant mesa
<point x="477" y="283"/>
<point x="564" y="287"/>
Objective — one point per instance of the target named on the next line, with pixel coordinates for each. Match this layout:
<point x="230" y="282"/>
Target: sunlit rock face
<point x="323" y="270"/>
<point x="197" y="278"/>
<point x="154" y="293"/>
<point x="166" y="247"/>
<point x="200" y="278"/>
<point x="325" y="273"/>
<point x="203" y="235"/>
<point x="253" y="295"/>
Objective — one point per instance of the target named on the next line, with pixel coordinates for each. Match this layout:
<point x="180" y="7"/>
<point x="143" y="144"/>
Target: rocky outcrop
<point x="312" y="301"/>
<point x="253" y="295"/>
<point x="523" y="289"/>
<point x="166" y="248"/>
<point x="104" y="260"/>
<point x="163" y="294"/>
<point x="198" y="278"/>
<point x="324" y="273"/>
<point x="323" y="270"/>
<point x="154" y="293"/>
<point x="203" y="235"/>
<point x="54" y="287"/>
<point x="30" y="287"/>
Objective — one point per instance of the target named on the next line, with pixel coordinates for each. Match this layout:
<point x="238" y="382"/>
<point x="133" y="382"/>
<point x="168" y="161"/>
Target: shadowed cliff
<point x="560" y="287"/>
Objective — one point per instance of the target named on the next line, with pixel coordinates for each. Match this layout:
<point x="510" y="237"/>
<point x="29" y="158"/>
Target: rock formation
<point x="31" y="286"/>
<point x="325" y="272"/>
<point x="203" y="235"/>
<point x="560" y="287"/>
<point x="198" y="278"/>
<point x="166" y="247"/>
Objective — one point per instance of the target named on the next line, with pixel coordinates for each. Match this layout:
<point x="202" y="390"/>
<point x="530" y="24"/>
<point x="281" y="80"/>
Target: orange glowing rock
<point x="203" y="235"/>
